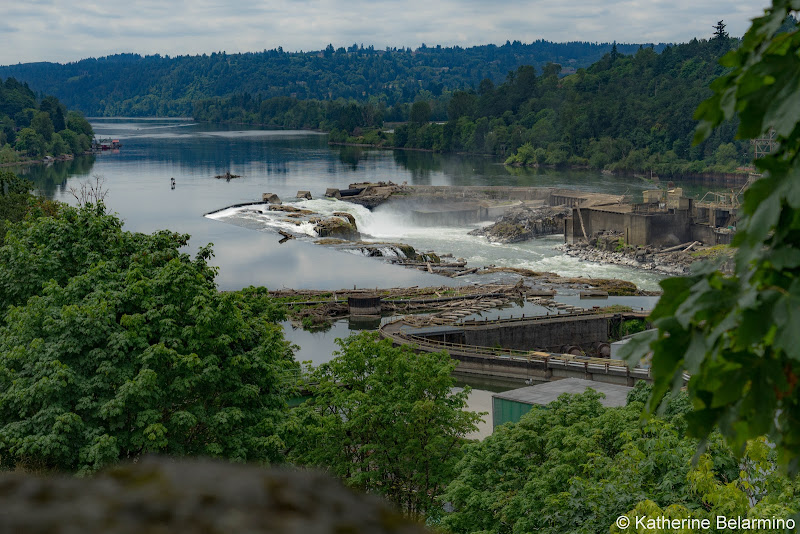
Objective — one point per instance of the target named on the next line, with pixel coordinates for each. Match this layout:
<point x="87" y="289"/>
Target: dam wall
<point x="477" y="192"/>
<point x="638" y="229"/>
<point x="549" y="335"/>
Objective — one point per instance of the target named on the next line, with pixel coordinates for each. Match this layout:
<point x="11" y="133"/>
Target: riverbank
<point x="736" y="178"/>
<point x="663" y="260"/>
<point x="44" y="161"/>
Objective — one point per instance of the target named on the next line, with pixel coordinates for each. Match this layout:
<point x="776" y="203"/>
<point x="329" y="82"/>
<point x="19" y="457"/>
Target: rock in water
<point x="341" y="225"/>
<point x="523" y="223"/>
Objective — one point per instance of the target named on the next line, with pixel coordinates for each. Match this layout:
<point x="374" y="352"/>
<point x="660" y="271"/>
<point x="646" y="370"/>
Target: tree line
<point x="32" y="127"/>
<point x="626" y="113"/>
<point x="134" y="85"/>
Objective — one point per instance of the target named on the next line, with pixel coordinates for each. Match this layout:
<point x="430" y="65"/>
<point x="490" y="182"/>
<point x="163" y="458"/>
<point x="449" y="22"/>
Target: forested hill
<point x="133" y="85"/>
<point x="32" y="127"/>
<point x="623" y="113"/>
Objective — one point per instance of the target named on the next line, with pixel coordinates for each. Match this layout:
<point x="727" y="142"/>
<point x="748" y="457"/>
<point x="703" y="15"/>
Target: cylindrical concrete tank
<point x="364" y="305"/>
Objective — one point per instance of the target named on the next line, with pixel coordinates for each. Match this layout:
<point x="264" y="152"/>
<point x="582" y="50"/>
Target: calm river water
<point x="248" y="253"/>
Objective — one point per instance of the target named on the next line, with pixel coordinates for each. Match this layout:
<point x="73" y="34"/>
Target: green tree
<point x="719" y="30"/>
<point x="30" y="143"/>
<point x="462" y="104"/>
<point x="726" y="154"/>
<point x="385" y="420"/>
<point x="78" y="124"/>
<point x="115" y="344"/>
<point x="58" y="146"/>
<point x="420" y="112"/>
<point x="43" y="125"/>
<point x="14" y="199"/>
<point x="737" y="335"/>
<point x="55" y="110"/>
<point x="756" y="491"/>
<point x="573" y="466"/>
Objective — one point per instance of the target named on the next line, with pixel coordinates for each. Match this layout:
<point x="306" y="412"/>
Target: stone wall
<point x="161" y="495"/>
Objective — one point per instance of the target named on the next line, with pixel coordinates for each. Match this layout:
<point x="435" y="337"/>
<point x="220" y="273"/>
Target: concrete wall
<point x="669" y="229"/>
<point x="448" y="217"/>
<point x="544" y="335"/>
<point x="638" y="229"/>
<point x="709" y="235"/>
<point x="536" y="371"/>
<point x="482" y="192"/>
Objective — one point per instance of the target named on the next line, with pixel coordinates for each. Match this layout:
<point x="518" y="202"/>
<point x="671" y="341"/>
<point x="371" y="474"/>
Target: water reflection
<point x="351" y="156"/>
<point x="51" y="179"/>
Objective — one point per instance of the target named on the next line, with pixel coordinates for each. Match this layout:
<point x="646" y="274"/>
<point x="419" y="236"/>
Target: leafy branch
<point x="739" y="336"/>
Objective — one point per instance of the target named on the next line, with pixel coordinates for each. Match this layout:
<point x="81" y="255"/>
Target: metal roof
<point x="543" y="394"/>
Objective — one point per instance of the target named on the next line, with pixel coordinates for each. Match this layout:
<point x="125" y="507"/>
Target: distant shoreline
<point x="29" y="162"/>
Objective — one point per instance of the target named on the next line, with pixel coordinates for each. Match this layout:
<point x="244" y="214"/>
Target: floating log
<point x="676" y="248"/>
<point x="227" y="176"/>
<point x="541" y="293"/>
<point x="594" y="294"/>
<point x="425" y="264"/>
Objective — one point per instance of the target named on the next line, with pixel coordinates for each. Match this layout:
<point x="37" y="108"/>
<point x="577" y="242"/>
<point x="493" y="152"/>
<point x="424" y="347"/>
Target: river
<point x="247" y="251"/>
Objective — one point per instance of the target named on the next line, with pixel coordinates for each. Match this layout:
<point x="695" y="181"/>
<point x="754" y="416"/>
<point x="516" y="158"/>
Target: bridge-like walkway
<point x="520" y="364"/>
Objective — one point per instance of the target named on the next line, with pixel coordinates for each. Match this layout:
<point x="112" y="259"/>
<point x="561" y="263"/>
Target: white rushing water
<point x="388" y="224"/>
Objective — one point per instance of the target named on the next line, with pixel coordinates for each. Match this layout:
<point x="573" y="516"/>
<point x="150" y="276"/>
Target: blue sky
<point x="68" y="30"/>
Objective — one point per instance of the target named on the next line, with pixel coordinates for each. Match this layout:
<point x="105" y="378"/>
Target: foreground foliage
<point x="385" y="420"/>
<point x="738" y="335"/>
<point x="114" y="344"/>
<point x="575" y="466"/>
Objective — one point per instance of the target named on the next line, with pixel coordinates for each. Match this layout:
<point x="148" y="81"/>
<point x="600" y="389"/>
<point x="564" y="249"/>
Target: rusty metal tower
<point x="764" y="145"/>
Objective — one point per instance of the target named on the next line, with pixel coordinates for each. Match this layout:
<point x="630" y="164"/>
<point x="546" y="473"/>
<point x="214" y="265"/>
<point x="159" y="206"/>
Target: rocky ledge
<point x="159" y="495"/>
<point x="340" y="225"/>
<point x="523" y="223"/>
<point x="675" y="260"/>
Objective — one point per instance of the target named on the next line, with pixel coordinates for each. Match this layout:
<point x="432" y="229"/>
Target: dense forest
<point x="132" y="85"/>
<point x="623" y="113"/>
<point x="630" y="113"/>
<point x="32" y="127"/>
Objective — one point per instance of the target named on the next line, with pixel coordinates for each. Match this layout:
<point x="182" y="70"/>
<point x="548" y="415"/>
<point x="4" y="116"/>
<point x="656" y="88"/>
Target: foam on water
<point x="227" y="213"/>
<point x="386" y="224"/>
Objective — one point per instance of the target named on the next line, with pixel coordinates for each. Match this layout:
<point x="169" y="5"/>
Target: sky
<point x="69" y="30"/>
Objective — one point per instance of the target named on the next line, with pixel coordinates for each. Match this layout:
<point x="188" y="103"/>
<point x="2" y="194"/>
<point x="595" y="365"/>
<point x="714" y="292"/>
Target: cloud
<point x="7" y="28"/>
<point x="69" y="30"/>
